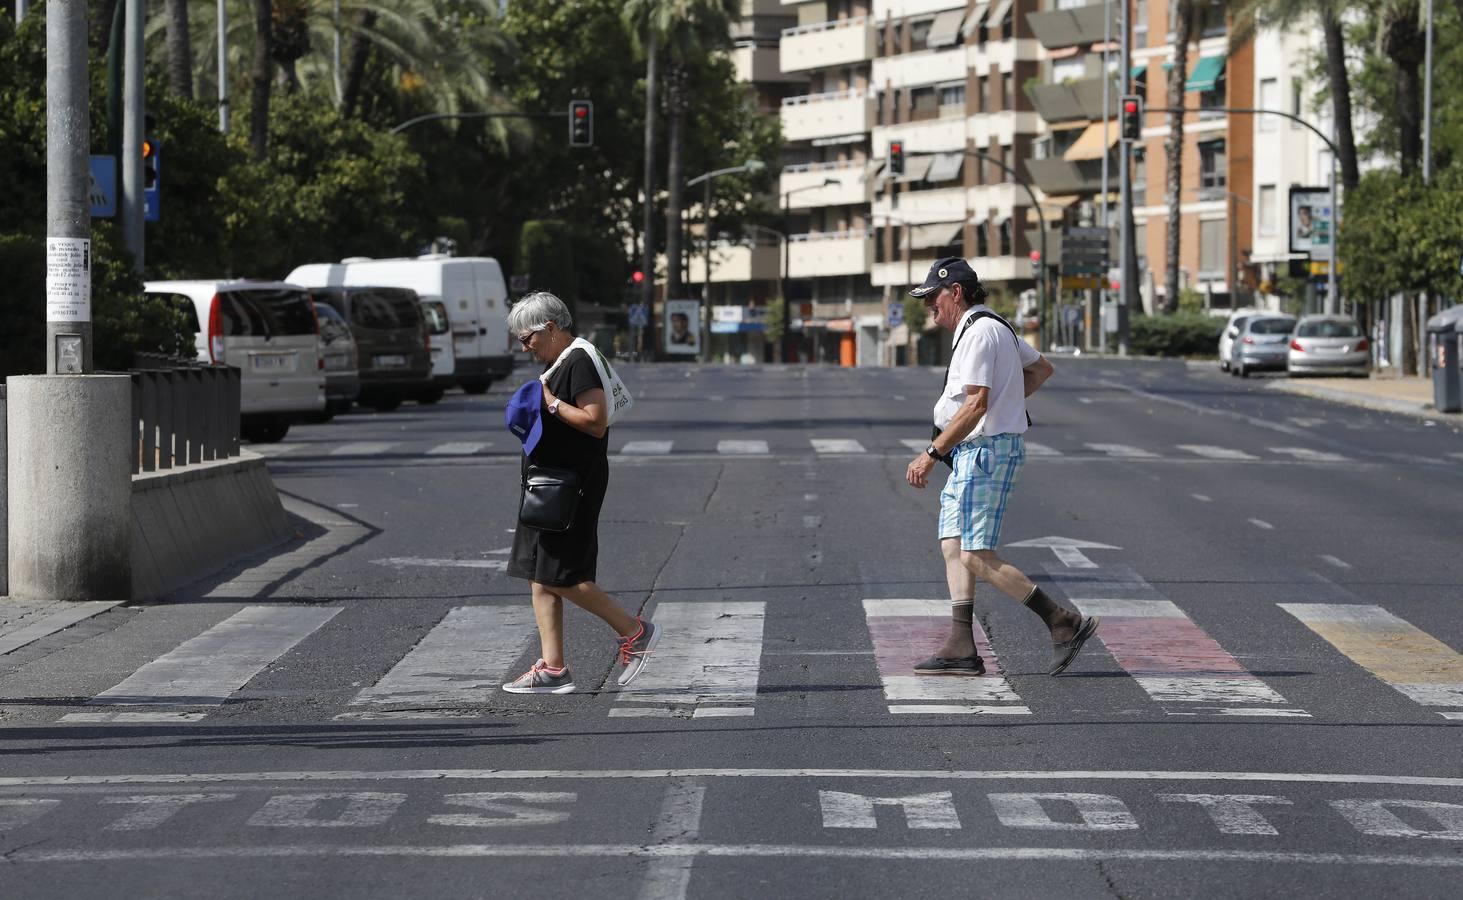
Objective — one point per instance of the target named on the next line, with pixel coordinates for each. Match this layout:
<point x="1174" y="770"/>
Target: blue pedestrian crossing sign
<point x="103" y="190"/>
<point x="896" y="315"/>
<point x="639" y="316"/>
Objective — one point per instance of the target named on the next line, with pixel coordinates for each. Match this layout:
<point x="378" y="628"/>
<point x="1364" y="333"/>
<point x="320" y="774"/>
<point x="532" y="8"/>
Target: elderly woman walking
<point x="573" y="414"/>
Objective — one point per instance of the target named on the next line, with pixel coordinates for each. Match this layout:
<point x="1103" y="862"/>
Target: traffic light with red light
<point x="1132" y="118"/>
<point x="896" y="158"/>
<point x="581" y="123"/>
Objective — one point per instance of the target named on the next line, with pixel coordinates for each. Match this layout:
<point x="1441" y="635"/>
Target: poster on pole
<point x="683" y="327"/>
<point x="68" y="279"/>
<point x="1310" y="221"/>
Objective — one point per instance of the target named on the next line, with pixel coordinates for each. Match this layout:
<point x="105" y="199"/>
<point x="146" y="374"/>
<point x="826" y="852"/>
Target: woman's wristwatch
<point x="554" y="407"/>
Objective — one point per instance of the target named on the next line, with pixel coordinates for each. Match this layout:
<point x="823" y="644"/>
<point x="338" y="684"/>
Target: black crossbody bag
<point x="948" y="459"/>
<point x="550" y="498"/>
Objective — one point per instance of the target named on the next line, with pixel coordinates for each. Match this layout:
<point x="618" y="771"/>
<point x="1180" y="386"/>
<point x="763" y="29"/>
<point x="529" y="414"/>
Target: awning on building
<point x="999" y="12"/>
<point x="840" y="325"/>
<point x="979" y="217"/>
<point x="945" y="30"/>
<point x="840" y="139"/>
<point x="972" y="21"/>
<point x="1206" y="74"/>
<point x="938" y="234"/>
<point x="1091" y="144"/>
<point x="1137" y="71"/>
<point x="946" y="167"/>
<point x="915" y="169"/>
<point x="1055" y="28"/>
<point x="1061" y="201"/>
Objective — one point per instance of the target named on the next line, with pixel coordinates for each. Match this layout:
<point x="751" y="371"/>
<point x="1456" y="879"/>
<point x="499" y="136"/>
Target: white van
<point x="269" y="331"/>
<point x="472" y="289"/>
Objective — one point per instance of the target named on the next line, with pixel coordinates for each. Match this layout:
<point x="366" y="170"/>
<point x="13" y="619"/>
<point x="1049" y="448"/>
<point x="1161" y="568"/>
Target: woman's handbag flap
<point x="550" y="498"/>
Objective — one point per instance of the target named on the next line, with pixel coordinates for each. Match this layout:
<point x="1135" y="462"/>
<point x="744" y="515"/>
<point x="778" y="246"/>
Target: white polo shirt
<point x="989" y="355"/>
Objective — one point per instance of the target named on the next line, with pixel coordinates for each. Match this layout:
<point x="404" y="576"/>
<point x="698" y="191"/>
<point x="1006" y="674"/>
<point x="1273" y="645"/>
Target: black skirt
<point x="566" y="558"/>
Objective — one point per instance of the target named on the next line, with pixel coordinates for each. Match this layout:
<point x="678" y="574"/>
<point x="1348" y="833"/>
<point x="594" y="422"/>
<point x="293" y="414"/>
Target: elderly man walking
<point x="980" y="417"/>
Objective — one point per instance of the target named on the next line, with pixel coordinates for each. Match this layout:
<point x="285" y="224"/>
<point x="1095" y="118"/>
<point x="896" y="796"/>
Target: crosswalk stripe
<point x="904" y="632"/>
<point x="1121" y="450"/>
<point x="836" y="445"/>
<point x="709" y="655"/>
<point x="363" y="448"/>
<point x="1035" y="449"/>
<point x="267" y="450"/>
<point x="1415" y="663"/>
<point x="1209" y="451"/>
<point x="914" y="443"/>
<point x="205" y="670"/>
<point x="742" y="448"/>
<point x="1171" y="657"/>
<point x="647" y="447"/>
<point x="462" y="659"/>
<point x="1308" y="455"/>
<point x="457" y="448"/>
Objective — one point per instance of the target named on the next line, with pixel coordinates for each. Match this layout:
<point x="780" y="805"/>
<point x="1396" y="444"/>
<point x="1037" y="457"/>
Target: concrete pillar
<point x="70" y="487"/>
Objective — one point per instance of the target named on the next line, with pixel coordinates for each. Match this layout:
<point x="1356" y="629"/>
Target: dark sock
<point x="1060" y="622"/>
<point x="961" y="642"/>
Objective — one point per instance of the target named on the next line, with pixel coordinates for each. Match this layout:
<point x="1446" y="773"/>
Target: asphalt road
<point x="1272" y="708"/>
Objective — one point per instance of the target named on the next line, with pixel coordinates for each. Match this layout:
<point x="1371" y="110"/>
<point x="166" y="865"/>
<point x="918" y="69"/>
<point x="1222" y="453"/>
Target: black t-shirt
<point x="562" y="445"/>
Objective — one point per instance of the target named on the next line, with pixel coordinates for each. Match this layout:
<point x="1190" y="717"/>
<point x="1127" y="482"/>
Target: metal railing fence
<point x="184" y="412"/>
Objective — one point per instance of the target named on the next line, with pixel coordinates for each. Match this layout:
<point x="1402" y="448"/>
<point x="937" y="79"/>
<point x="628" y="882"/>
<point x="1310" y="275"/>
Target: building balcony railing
<point x="825" y="44"/>
<point x="736" y="262"/>
<point x="1078" y="100"/>
<point x="1069" y="27"/>
<point x="758" y="63"/>
<point x="806" y="184"/>
<point x="830" y="253"/>
<point x="811" y="116"/>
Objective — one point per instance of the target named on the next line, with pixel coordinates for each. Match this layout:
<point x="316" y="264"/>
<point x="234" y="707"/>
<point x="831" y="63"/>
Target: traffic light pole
<point x="1128" y="260"/>
<point x="477" y="115"/>
<point x="68" y="179"/>
<point x="133" y="109"/>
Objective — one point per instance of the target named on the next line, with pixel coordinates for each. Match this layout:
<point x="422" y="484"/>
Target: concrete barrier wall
<point x="189" y="523"/>
<point x="4" y="506"/>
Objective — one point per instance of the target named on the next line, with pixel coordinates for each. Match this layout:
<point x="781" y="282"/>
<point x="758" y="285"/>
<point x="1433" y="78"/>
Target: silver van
<point x="269" y="331"/>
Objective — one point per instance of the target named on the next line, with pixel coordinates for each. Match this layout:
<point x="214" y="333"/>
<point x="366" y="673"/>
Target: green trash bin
<point x="1445" y="340"/>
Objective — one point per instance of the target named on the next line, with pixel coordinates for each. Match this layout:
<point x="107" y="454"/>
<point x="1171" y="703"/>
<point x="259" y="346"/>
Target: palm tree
<point x="260" y="77"/>
<point x="1183" y="26"/>
<point x="1400" y="36"/>
<point x="180" y="50"/>
<point x="1286" y="13"/>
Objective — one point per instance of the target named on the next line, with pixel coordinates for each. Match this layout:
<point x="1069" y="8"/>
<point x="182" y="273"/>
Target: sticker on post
<point x="68" y="279"/>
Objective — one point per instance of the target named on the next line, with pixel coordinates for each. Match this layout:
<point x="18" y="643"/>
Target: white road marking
<point x="1375" y="817"/>
<point x="1098" y="812"/>
<point x="812" y="521"/>
<point x="1306" y="422"/>
<point x="915" y="444"/>
<point x="722" y="712"/>
<point x="133" y="718"/>
<point x="742" y="448"/>
<point x="462" y="659"/>
<point x="1262" y="524"/>
<point x="457" y="448"/>
<point x="1266" y="712"/>
<point x="1202" y="498"/>
<point x="1209" y="451"/>
<point x="1338" y="563"/>
<point x="28" y="631"/>
<point x="679" y="821"/>
<point x="1122" y="451"/>
<point x="363" y="448"/>
<point x="644" y="712"/>
<point x="509" y="807"/>
<point x="708" y="654"/>
<point x="362" y="809"/>
<point x="921" y="811"/>
<point x="1068" y="550"/>
<point x="268" y="450"/>
<point x="810" y="497"/>
<point x="1305" y="454"/>
<point x="1232" y="813"/>
<point x="400" y="562"/>
<point x="1035" y="449"/>
<point x="1084" y="400"/>
<point x="155" y="809"/>
<point x="959" y="710"/>
<point x="902" y="632"/>
<point x="205" y="670"/>
<point x="836" y="445"/>
<point x="651" y="448"/>
<point x="899" y="397"/>
<point x="17" y="812"/>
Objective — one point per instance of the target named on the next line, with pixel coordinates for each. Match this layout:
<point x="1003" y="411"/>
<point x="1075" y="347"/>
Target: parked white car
<point x="269" y="331"/>
<point x="1328" y="345"/>
<point x="1230" y="332"/>
<point x="471" y="289"/>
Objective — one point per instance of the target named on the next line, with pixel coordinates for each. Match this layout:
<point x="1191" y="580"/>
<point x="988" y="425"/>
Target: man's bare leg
<point x="961" y="642"/>
<point x="1012" y="582"/>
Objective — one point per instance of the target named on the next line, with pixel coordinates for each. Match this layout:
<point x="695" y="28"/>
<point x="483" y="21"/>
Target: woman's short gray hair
<point x="533" y="310"/>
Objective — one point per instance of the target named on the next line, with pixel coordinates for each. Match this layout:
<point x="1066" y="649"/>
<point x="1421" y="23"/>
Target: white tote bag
<point x="619" y="396"/>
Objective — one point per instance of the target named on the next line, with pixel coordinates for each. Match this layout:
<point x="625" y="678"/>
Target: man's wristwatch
<point x="554" y="407"/>
<point x="933" y="453"/>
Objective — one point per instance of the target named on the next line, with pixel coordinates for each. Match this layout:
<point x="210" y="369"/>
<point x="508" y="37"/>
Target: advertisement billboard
<point x="683" y="327"/>
<point x="1310" y="221"/>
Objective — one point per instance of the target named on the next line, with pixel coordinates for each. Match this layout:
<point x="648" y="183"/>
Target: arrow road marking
<point x="1068" y="550"/>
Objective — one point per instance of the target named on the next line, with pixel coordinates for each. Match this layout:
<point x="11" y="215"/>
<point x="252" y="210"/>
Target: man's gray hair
<point x="533" y="310"/>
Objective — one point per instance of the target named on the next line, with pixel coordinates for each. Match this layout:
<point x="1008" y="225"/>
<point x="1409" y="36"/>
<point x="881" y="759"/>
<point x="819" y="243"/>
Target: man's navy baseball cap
<point x="522" y="414"/>
<point x="947" y="271"/>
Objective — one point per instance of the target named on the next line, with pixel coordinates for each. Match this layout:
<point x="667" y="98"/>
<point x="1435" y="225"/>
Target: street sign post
<point x="103" y="190"/>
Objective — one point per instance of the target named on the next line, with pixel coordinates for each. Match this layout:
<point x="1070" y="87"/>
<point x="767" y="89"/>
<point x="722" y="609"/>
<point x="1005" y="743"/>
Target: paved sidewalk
<point x="24" y="623"/>
<point x="1407" y="395"/>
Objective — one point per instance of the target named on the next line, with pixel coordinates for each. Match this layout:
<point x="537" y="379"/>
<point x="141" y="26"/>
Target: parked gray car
<point x="1328" y="345"/>
<point x="338" y="350"/>
<point x="1260" y="345"/>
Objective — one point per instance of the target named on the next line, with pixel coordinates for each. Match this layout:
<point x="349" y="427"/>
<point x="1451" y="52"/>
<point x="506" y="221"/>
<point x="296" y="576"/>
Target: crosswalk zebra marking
<point x="462" y="659"/>
<point x="1306" y="454"/>
<point x="1411" y="661"/>
<point x="1036" y="449"/>
<point x="915" y="444"/>
<point x="904" y="632"/>
<point x="1209" y="451"/>
<point x="649" y="448"/>
<point x="742" y="448"/>
<point x="709" y="655"/>
<point x="363" y="448"/>
<point x="132" y="718"/>
<point x="1335" y="561"/>
<point x="458" y="448"/>
<point x="207" y="669"/>
<point x="268" y="450"/>
<point x="1121" y="451"/>
<point x="836" y="445"/>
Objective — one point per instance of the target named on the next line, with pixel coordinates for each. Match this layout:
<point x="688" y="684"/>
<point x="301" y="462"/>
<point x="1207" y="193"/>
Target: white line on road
<point x="742" y="448"/>
<point x="667" y="878"/>
<point x="915" y="444"/>
<point x="459" y="661"/>
<point x="710" y="654"/>
<point x="1262" y="524"/>
<point x="647" y="448"/>
<point x="1035" y="449"/>
<point x="836" y="445"/>
<point x="268" y="450"/>
<point x="1209" y="451"/>
<point x="1122" y="451"/>
<point x="363" y="448"/>
<point x="1338" y="563"/>
<point x="1306" y="454"/>
<point x="205" y="670"/>
<point x="31" y="629"/>
<point x="457" y="448"/>
<point x="399" y="562"/>
<point x="1202" y="498"/>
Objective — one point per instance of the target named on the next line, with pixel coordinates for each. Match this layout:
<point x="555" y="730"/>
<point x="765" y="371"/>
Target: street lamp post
<point x="1041" y="219"/>
<point x="908" y="249"/>
<point x="827" y="182"/>
<point x="751" y="165"/>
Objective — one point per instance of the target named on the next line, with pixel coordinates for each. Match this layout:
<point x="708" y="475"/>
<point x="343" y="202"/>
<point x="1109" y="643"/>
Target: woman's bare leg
<point x="587" y="596"/>
<point x="548" y="611"/>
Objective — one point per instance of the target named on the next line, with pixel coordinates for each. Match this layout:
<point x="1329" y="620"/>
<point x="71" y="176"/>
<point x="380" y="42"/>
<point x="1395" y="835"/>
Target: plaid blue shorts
<point x="973" y="503"/>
